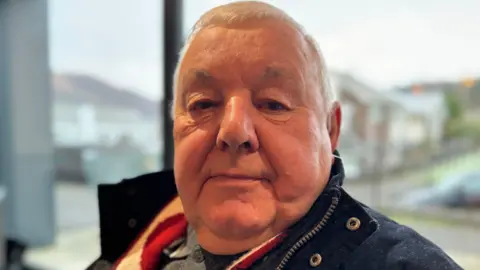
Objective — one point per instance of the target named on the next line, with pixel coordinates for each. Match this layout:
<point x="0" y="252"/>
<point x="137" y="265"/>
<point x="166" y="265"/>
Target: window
<point x="106" y="60"/>
<point x="108" y="73"/>
<point x="375" y="113"/>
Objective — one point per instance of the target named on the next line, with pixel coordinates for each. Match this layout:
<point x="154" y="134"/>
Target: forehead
<point x="265" y="48"/>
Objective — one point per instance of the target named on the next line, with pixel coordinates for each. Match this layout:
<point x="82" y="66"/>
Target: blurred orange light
<point x="468" y="83"/>
<point x="417" y="89"/>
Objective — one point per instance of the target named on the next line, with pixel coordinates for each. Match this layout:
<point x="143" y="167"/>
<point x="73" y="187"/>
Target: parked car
<point x="460" y="190"/>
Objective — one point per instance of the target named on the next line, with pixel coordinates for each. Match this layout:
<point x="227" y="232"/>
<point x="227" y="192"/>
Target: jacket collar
<point x="337" y="172"/>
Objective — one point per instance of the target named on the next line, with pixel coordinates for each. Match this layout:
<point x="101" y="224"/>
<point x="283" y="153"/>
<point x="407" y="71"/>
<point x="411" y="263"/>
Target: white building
<point x="103" y="133"/>
<point x="379" y="126"/>
<point x="80" y="125"/>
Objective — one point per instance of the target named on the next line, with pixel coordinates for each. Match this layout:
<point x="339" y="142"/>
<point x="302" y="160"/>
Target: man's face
<point x="251" y="155"/>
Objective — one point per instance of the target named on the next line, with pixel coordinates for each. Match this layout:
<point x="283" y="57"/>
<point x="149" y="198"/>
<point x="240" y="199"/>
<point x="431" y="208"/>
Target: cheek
<point x="301" y="162"/>
<point x="191" y="151"/>
<point x="297" y="173"/>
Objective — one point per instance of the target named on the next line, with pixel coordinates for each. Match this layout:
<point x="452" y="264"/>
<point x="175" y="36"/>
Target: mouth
<point x="235" y="177"/>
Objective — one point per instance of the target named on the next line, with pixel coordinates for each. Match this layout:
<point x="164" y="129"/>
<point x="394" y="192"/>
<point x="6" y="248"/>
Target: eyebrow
<point x="276" y="72"/>
<point x="192" y="77"/>
<point x="273" y="72"/>
<point x="282" y="75"/>
<point x="197" y="75"/>
<point x="203" y="76"/>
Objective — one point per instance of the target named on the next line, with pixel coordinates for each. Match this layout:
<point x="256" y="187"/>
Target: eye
<point x="271" y="105"/>
<point x="201" y="105"/>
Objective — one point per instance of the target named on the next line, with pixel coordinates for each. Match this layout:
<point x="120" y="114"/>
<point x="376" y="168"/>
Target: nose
<point x="237" y="132"/>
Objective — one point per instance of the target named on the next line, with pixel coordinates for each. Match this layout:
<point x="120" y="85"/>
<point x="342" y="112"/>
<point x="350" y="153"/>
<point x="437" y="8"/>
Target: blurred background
<point x="82" y="88"/>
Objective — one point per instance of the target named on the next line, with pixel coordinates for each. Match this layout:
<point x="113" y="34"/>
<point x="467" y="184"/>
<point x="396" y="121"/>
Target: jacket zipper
<point x="307" y="237"/>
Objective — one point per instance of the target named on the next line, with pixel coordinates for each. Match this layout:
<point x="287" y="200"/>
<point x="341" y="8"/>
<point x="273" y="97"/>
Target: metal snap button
<point x="197" y="255"/>
<point x="132" y="223"/>
<point x="315" y="260"/>
<point x="102" y="265"/>
<point x="353" y="223"/>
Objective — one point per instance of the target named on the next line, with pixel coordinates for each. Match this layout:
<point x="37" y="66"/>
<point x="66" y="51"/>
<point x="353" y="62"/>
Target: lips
<point x="236" y="176"/>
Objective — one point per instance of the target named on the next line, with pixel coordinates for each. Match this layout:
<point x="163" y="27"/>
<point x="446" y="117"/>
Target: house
<point x="379" y="126"/>
<point x="421" y="117"/>
<point x="365" y="128"/>
<point x="91" y="118"/>
<point x="419" y="122"/>
<point x="88" y="111"/>
<point x="467" y="90"/>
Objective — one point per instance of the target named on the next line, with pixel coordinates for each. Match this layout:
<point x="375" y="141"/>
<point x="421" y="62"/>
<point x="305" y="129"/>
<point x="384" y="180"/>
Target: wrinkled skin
<point x="251" y="154"/>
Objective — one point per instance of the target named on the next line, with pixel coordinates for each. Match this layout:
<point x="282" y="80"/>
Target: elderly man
<point x="257" y="178"/>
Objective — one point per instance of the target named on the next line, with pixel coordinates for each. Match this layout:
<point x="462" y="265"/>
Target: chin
<point x="239" y="220"/>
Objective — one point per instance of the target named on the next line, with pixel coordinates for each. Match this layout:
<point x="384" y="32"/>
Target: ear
<point x="335" y="122"/>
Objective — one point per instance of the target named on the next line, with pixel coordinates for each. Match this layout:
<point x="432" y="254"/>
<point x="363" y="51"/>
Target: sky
<point x="383" y="42"/>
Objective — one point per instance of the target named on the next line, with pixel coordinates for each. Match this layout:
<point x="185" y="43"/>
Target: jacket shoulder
<point x="395" y="246"/>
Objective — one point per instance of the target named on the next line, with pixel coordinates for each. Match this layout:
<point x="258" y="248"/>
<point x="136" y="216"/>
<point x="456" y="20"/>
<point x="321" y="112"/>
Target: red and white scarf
<point x="169" y="225"/>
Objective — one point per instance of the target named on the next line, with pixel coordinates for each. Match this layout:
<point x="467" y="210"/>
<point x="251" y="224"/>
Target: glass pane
<point x="107" y="88"/>
<point x="417" y="59"/>
<point x="106" y="68"/>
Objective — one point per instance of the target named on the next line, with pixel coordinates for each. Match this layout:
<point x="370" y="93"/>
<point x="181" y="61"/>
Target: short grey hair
<point x="244" y="11"/>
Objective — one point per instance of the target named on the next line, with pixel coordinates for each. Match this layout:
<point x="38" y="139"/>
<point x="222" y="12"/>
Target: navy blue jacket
<point x="338" y="233"/>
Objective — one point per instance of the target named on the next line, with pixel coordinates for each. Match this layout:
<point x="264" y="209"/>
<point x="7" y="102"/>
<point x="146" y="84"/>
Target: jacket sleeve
<point x="418" y="254"/>
<point x="400" y="248"/>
